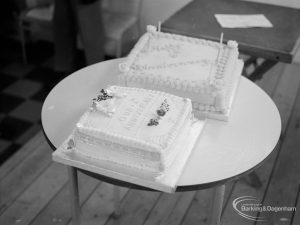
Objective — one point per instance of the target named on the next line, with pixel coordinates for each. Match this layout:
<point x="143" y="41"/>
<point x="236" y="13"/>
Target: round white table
<point x="225" y="151"/>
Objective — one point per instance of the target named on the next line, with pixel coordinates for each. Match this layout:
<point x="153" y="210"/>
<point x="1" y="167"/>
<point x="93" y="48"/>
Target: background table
<point x="277" y="44"/>
<point x="226" y="150"/>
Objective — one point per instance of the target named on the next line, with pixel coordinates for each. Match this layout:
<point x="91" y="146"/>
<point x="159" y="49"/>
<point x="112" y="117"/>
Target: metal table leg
<point x="117" y="202"/>
<point x="260" y="70"/>
<point x="74" y="195"/>
<point x="217" y="204"/>
<point x="254" y="180"/>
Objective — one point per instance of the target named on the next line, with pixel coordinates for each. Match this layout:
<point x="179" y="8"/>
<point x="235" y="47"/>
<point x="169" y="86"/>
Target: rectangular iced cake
<point x="134" y="131"/>
<point x="206" y="72"/>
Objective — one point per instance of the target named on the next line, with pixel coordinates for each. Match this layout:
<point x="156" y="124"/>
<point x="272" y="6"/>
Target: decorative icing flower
<point x="153" y="122"/>
<point x="70" y="144"/>
<point x="161" y="112"/>
<point x="165" y="105"/>
<point x="232" y="44"/>
<point x="107" y="107"/>
<point x="106" y="101"/>
<point x="103" y="96"/>
<point x="163" y="109"/>
<point x="124" y="67"/>
<point x="151" y="28"/>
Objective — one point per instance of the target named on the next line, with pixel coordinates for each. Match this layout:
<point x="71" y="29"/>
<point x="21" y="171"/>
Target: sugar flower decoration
<point x="161" y="112"/>
<point x="106" y="101"/>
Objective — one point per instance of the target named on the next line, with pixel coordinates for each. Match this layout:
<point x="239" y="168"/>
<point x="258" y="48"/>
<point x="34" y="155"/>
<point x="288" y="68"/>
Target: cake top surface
<point x="134" y="116"/>
<point x="177" y="57"/>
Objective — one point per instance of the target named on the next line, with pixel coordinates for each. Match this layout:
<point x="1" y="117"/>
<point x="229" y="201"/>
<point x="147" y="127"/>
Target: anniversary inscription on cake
<point x="173" y="51"/>
<point x="131" y="115"/>
<point x="201" y="62"/>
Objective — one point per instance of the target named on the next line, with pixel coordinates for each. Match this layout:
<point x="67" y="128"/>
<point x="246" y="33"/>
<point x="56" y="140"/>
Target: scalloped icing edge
<point x="134" y="142"/>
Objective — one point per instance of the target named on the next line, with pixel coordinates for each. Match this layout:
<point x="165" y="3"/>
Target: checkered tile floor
<point x="23" y="89"/>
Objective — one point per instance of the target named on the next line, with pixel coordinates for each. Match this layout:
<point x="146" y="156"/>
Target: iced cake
<point x="207" y="72"/>
<point x="134" y="131"/>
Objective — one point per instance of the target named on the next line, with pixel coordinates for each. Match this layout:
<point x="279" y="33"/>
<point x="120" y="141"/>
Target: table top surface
<point x="278" y="43"/>
<point x="225" y="150"/>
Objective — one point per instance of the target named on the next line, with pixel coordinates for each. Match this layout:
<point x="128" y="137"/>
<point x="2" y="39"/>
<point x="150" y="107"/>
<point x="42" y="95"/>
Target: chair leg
<point x="117" y="202"/>
<point x="22" y="37"/>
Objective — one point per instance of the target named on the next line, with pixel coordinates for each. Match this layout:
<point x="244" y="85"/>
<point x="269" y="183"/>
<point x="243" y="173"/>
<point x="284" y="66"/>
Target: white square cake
<point x="207" y="72"/>
<point x="135" y="131"/>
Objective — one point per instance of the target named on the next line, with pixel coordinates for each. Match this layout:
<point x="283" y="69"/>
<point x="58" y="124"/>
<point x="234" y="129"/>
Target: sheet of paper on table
<point x="242" y="21"/>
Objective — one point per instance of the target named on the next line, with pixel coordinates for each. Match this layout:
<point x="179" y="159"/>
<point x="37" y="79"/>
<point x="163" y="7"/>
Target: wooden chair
<point x="41" y="16"/>
<point x="122" y="25"/>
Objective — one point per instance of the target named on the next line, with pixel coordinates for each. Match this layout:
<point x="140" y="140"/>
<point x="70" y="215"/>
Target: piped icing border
<point x="229" y="53"/>
<point x="134" y="142"/>
<point x="133" y="152"/>
<point x="153" y="171"/>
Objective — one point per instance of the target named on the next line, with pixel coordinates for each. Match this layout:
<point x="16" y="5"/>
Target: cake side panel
<point x="225" y="76"/>
<point x="171" y="153"/>
<point x="231" y="95"/>
<point x="233" y="83"/>
<point x="114" y="156"/>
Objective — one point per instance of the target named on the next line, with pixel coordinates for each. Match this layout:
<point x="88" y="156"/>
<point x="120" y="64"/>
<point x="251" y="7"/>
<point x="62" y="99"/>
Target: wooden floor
<point x="34" y="190"/>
